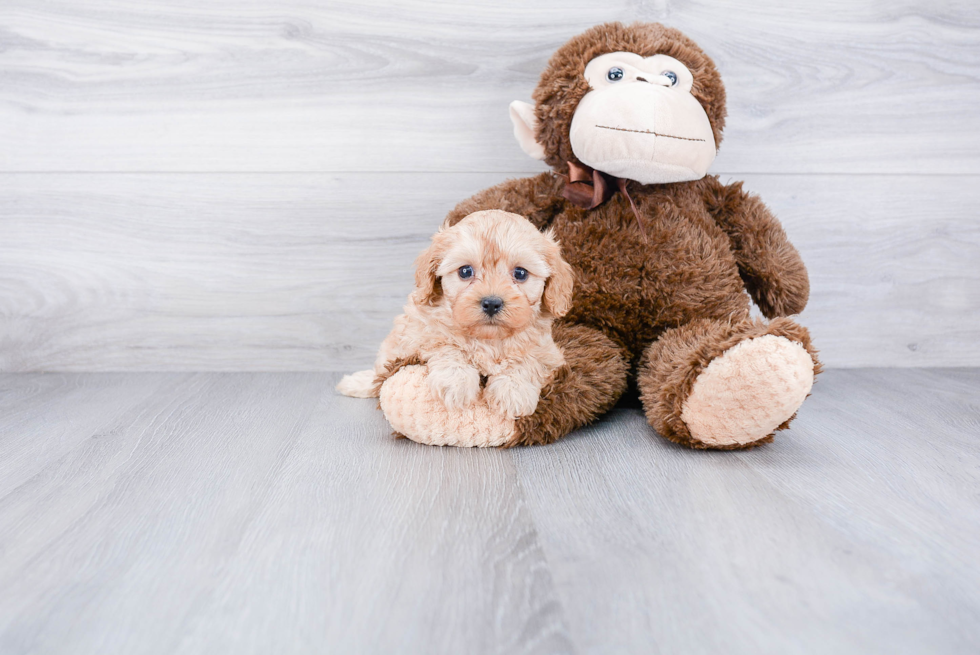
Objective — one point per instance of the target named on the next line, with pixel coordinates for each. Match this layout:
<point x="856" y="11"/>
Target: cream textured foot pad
<point x="414" y="411"/>
<point x="749" y="391"/>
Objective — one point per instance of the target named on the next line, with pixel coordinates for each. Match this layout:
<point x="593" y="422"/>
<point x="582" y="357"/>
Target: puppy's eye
<point x="465" y="272"/>
<point x="615" y="74"/>
<point x="672" y="76"/>
<point x="520" y="274"/>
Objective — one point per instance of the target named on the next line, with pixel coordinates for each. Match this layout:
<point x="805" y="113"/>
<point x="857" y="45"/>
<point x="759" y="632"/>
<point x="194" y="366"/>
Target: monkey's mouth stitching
<point x="666" y="136"/>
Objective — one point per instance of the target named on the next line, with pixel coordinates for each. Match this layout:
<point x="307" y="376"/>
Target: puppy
<point x="486" y="293"/>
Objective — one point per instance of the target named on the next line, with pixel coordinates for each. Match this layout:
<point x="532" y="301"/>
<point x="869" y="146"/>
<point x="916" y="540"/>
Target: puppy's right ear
<point x="428" y="288"/>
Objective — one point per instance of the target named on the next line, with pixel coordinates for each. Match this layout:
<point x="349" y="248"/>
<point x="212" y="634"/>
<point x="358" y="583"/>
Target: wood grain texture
<point x="306" y="272"/>
<point x="257" y="513"/>
<point x="855" y="532"/>
<point x="836" y="111"/>
<point x="107" y="85"/>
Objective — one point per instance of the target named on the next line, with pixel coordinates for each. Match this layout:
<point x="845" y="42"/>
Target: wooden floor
<point x="262" y="513"/>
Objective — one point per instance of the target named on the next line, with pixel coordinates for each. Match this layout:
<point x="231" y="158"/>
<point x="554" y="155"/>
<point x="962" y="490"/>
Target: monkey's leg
<point x="586" y="387"/>
<point x="715" y="384"/>
<point x="414" y="411"/>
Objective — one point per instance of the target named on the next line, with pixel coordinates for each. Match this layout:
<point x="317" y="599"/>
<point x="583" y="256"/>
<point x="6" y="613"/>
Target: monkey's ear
<point x="428" y="286"/>
<point x="525" y="125"/>
<point x="560" y="284"/>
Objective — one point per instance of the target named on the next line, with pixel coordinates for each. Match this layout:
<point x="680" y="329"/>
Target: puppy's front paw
<point x="512" y="396"/>
<point x="456" y="386"/>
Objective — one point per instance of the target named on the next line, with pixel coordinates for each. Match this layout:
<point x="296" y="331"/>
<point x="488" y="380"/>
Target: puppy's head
<point x="497" y="272"/>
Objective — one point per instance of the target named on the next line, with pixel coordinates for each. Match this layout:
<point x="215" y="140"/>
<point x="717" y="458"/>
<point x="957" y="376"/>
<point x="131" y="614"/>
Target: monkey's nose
<point x="492" y="305"/>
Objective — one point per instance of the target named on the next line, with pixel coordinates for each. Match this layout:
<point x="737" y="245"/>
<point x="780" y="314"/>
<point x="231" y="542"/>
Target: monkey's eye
<point x="465" y="272"/>
<point x="520" y="274"/>
<point x="672" y="76"/>
<point x="615" y="74"/>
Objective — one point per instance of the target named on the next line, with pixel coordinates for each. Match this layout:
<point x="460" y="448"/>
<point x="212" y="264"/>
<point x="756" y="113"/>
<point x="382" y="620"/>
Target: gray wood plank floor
<point x="259" y="513"/>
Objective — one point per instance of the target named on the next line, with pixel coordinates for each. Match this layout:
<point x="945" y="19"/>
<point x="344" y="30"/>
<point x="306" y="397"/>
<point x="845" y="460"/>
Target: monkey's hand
<point x="770" y="267"/>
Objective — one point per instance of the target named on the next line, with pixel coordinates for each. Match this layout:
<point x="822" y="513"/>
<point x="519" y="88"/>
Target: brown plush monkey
<point x="629" y="118"/>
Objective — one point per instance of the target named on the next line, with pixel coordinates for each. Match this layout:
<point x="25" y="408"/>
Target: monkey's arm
<point x="538" y="198"/>
<point x="770" y="266"/>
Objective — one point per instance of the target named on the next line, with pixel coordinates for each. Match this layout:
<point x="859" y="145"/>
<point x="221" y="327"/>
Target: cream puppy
<point x="486" y="293"/>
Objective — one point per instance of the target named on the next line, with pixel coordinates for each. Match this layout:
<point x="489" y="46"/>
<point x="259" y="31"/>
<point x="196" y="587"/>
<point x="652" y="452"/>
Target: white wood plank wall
<point x="243" y="185"/>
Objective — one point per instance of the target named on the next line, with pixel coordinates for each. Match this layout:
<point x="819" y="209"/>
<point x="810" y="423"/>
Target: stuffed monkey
<point x="667" y="259"/>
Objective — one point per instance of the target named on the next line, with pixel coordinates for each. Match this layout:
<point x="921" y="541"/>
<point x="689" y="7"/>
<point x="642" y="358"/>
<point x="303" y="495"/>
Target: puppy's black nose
<point x="492" y="305"/>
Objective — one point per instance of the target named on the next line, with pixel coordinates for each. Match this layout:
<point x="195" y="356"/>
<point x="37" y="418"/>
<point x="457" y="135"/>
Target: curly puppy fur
<point x="692" y="262"/>
<point x="505" y="356"/>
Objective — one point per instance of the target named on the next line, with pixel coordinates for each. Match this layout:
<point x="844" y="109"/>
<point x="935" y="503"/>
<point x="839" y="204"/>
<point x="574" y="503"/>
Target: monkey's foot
<point x="748" y="392"/>
<point x="415" y="412"/>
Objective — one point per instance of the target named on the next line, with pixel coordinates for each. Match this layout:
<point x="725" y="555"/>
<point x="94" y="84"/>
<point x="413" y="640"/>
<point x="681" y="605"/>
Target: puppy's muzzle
<point x="492" y="305"/>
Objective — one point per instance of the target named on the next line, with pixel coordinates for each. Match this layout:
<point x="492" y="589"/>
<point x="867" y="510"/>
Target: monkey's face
<point x="642" y="102"/>
<point x="639" y="120"/>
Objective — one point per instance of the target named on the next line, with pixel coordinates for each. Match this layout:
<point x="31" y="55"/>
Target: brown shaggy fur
<point x="587" y="386"/>
<point x="393" y="367"/>
<point x="682" y="281"/>
<point x="675" y="360"/>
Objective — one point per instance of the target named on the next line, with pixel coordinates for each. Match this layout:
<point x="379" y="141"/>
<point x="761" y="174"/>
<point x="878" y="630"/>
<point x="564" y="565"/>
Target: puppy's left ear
<point x="428" y="288"/>
<point x="558" y="287"/>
